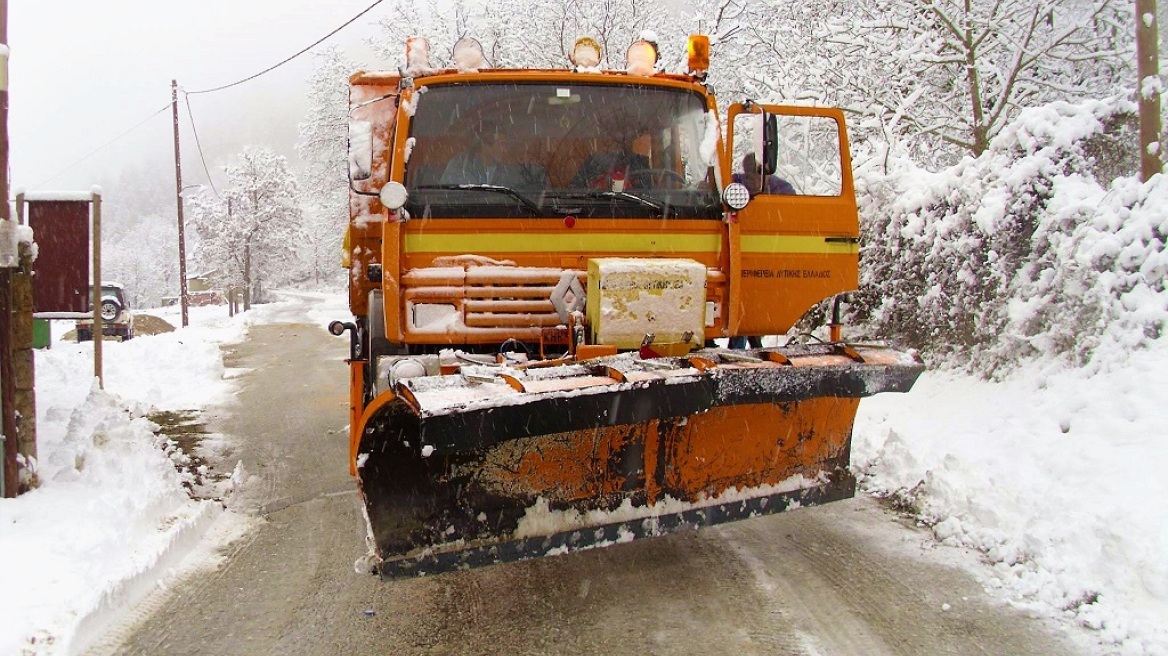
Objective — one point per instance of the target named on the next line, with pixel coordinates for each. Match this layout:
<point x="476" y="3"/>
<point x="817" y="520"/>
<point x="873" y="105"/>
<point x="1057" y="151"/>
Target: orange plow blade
<point x="464" y="470"/>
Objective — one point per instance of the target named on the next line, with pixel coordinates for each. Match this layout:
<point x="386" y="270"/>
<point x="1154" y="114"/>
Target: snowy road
<point x="843" y="579"/>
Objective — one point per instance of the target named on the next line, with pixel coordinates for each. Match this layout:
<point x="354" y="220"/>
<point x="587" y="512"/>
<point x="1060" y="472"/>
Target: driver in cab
<point x="626" y="169"/>
<point x="486" y="163"/>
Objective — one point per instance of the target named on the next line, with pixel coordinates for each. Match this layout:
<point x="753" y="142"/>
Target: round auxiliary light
<point x="336" y="328"/>
<point x="641" y="58"/>
<point x="586" y="53"/>
<point x="393" y="196"/>
<point x="468" y="55"/>
<point x="404" y="369"/>
<point x="736" y="195"/>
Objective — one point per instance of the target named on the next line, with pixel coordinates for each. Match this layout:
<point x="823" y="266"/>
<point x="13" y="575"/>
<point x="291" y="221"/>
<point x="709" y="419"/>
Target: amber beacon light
<point x="698" y="48"/>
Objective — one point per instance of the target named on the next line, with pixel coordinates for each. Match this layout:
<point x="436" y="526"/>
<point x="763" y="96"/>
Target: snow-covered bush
<point x="1020" y="252"/>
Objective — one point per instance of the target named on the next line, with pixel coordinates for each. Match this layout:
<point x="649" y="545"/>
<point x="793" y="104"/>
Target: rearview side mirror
<point x="770" y="143"/>
<point x="360" y="150"/>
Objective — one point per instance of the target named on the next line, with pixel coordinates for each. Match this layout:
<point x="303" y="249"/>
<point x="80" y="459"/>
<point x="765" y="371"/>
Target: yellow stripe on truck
<point x="801" y="244"/>
<point x="560" y="242"/>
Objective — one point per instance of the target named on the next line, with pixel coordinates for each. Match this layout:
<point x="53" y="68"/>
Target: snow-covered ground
<point x="112" y="519"/>
<point x="1055" y="475"/>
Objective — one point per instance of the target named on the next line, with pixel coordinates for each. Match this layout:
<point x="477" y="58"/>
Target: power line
<point x="220" y="88"/>
<point x="199" y="146"/>
<point x="103" y="146"/>
<point x="274" y="67"/>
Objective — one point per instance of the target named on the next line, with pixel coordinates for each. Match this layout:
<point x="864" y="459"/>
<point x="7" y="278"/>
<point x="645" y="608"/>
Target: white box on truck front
<point x="629" y="298"/>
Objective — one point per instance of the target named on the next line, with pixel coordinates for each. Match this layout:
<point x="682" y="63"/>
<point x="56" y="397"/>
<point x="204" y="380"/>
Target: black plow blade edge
<point x="842" y="486"/>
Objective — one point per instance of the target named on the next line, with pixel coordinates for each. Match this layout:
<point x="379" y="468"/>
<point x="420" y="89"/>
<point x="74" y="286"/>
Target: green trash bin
<point x="41" y="335"/>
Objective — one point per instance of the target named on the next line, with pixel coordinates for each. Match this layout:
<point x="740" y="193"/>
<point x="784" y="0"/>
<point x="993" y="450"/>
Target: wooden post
<point x="98" y="329"/>
<point x="23" y="366"/>
<point x="11" y="482"/>
<point x="23" y="361"/>
<point x="1148" y="69"/>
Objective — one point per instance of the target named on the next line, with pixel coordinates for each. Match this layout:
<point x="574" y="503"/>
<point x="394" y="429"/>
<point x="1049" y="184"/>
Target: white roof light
<point x="468" y="55"/>
<point x="586" y="53"/>
<point x="642" y="58"/>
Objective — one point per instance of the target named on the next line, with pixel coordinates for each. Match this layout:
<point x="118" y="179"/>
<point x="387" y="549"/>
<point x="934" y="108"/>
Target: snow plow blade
<point x="474" y="468"/>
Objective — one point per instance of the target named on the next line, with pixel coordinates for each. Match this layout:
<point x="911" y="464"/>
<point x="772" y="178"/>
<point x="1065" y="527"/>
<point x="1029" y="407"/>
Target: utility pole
<point x="1148" y="70"/>
<point x="178" y="189"/>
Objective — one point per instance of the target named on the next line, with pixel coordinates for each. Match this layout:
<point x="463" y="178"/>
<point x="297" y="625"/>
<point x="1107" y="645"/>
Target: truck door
<point x="796" y="241"/>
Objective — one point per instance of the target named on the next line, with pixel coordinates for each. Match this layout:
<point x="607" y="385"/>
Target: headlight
<point x="405" y="368"/>
<point x="393" y="196"/>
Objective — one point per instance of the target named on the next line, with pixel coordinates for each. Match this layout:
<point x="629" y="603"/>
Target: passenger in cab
<point x="751" y="176"/>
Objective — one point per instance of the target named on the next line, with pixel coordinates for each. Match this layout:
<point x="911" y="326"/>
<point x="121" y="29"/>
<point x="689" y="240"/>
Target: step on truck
<point x="546" y="269"/>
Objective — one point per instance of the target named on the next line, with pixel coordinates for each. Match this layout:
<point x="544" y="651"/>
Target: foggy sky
<point x="84" y="72"/>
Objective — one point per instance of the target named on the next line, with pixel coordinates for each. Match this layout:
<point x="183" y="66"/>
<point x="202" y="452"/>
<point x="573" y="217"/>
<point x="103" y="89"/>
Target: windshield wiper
<point x="498" y="189"/>
<point x="623" y="195"/>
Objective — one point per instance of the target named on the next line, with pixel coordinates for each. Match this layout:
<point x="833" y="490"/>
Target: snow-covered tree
<point x="252" y="234"/>
<point x="144" y="258"/>
<point x="947" y="74"/>
<point x="518" y="34"/>
<point x="322" y="146"/>
<point x="1025" y="251"/>
<point x="992" y="58"/>
<point x="140" y="232"/>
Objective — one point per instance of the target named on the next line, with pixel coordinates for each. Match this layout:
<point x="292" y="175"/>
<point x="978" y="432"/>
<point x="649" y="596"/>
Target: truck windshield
<point x="594" y="150"/>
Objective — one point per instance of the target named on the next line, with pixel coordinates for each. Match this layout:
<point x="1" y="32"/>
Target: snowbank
<point x="1056" y="476"/>
<point x="113" y="512"/>
<point x="112" y="508"/>
<point x="1022" y="266"/>
<point x="1022" y="252"/>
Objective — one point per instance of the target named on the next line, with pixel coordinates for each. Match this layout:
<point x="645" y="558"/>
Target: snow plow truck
<point x="547" y="269"/>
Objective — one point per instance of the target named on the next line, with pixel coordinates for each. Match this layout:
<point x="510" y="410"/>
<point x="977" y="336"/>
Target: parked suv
<point x="116" y="320"/>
